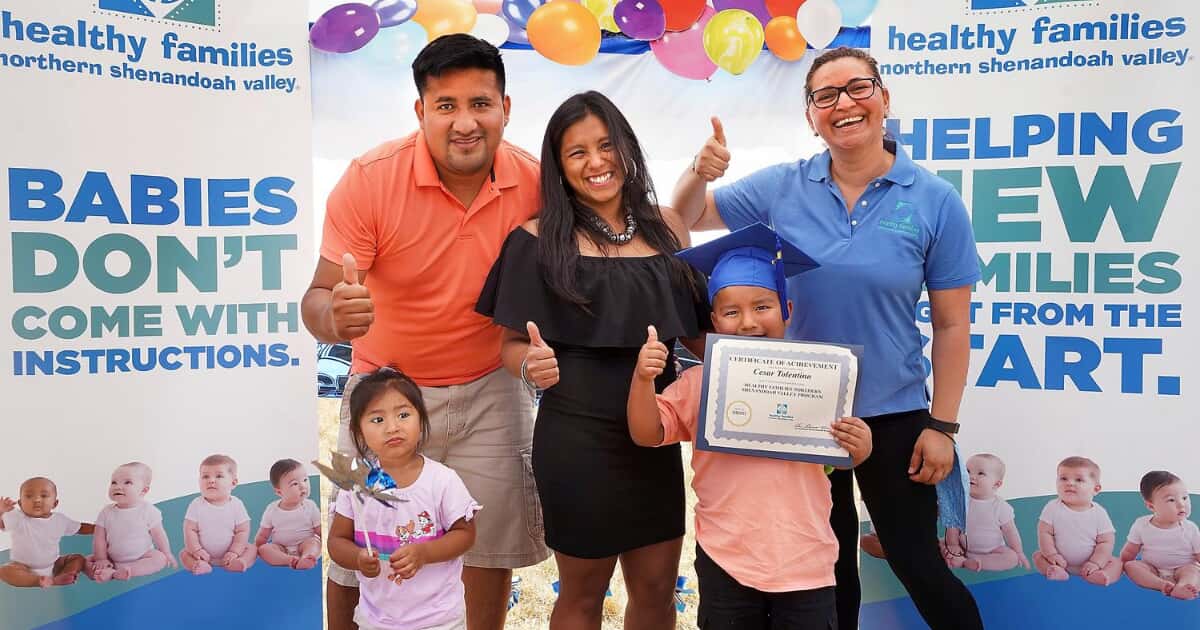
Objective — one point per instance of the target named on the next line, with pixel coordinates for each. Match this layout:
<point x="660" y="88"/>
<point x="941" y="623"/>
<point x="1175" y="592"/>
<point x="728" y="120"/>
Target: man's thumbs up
<point x="351" y="306"/>
<point x="713" y="159"/>
<point x="540" y="367"/>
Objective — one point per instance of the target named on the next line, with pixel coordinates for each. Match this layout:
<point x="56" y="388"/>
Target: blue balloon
<point x="855" y="12"/>
<point x="394" y="12"/>
<point x="517" y="12"/>
<point x="396" y="47"/>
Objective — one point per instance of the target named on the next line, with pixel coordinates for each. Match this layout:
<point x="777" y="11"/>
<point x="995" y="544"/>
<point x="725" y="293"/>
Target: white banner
<point x="155" y="172"/>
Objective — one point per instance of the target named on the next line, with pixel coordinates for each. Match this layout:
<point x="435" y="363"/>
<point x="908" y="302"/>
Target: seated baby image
<point x="1168" y="543"/>
<point x="1075" y="534"/>
<point x="129" y="540"/>
<point x="289" y="534"/>
<point x="216" y="527"/>
<point x="991" y="541"/>
<point x="36" y="531"/>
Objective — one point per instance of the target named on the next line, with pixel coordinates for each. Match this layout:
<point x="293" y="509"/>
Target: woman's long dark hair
<point x="562" y="215"/>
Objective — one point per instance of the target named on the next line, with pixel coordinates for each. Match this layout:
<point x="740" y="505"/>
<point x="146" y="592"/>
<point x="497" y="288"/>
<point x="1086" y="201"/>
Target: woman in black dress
<point x="576" y="289"/>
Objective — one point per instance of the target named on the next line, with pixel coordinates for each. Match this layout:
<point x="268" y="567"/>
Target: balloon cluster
<point x="688" y="37"/>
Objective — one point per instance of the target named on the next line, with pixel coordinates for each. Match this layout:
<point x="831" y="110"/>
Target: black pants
<point x="905" y="516"/>
<point x="725" y="603"/>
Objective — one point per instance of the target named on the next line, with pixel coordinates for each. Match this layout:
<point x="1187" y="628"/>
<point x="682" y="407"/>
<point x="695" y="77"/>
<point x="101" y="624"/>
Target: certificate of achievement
<point x="775" y="398"/>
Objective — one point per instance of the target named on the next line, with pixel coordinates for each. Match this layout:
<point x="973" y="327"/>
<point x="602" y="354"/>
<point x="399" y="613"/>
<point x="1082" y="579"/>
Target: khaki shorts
<point x="484" y="431"/>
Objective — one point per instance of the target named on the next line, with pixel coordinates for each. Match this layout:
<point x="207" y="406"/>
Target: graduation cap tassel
<point x="780" y="278"/>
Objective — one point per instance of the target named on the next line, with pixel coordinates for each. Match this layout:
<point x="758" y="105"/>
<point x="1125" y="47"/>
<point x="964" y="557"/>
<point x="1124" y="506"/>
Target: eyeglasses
<point x="858" y="89"/>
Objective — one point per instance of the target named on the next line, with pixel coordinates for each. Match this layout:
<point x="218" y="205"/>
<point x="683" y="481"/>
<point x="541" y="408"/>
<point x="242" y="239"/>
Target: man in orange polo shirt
<point x="410" y="233"/>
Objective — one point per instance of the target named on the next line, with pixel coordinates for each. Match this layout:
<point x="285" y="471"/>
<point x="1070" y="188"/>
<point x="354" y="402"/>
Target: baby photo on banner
<point x="157" y="384"/>
<point x="1062" y="123"/>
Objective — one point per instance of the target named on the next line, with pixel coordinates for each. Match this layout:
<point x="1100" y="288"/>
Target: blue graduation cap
<point x="753" y="256"/>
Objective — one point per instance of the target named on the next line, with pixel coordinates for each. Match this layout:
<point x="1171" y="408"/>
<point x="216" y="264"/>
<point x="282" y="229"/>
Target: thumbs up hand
<point x="540" y="367"/>
<point x="351" y="307"/>
<point x="652" y="359"/>
<point x="712" y="160"/>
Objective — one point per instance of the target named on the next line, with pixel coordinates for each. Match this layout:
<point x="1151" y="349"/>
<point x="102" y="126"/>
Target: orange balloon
<point x="682" y="14"/>
<point x="488" y="6"/>
<point x="443" y="17"/>
<point x="565" y="32"/>
<point x="784" y="8"/>
<point x="784" y="38"/>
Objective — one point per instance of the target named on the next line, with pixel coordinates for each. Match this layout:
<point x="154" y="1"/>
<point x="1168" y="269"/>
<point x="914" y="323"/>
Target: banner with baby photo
<point x="1064" y="125"/>
<point x="157" y="409"/>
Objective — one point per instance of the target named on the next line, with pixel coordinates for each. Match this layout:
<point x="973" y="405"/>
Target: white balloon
<point x="492" y="29"/>
<point x="818" y="21"/>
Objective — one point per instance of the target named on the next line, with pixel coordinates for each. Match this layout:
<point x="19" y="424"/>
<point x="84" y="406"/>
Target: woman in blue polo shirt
<point x="882" y="228"/>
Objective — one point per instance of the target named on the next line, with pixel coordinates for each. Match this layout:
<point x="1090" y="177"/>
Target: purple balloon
<point x="394" y="12"/>
<point x="757" y="7"/>
<point x="344" y="28"/>
<point x="641" y="19"/>
<point x="517" y="12"/>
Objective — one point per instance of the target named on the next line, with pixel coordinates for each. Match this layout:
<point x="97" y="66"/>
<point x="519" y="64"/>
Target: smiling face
<point x="38" y="498"/>
<point x="127" y="487"/>
<point x="748" y="311"/>
<point x="391" y="426"/>
<point x="462" y="115"/>
<point x="591" y="165"/>
<point x="848" y="124"/>
<point x="1170" y="504"/>
<point x="216" y="483"/>
<point x="293" y="487"/>
<point x="1077" y="486"/>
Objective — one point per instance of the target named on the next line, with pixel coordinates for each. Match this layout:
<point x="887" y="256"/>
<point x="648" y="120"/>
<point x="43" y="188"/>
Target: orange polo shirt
<point x="426" y="256"/>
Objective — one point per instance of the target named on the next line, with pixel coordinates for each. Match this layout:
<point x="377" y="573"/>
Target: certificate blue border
<point x="702" y="442"/>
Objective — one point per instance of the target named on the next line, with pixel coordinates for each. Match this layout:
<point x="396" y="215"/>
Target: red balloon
<point x="681" y="14"/>
<point x="785" y="8"/>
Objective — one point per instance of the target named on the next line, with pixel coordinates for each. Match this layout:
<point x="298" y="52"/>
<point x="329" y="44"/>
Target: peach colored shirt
<point x="764" y="521"/>
<point x="426" y="256"/>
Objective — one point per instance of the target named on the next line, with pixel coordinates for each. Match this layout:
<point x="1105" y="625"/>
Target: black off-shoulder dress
<point x="601" y="494"/>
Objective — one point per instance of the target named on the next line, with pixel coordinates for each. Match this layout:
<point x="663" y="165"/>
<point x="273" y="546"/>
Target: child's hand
<point x="853" y="435"/>
<point x="540" y="365"/>
<point x="6" y="505"/>
<point x="407" y="560"/>
<point x="1057" y="559"/>
<point x="1023" y="562"/>
<point x="172" y="563"/>
<point x="652" y="359"/>
<point x="202" y="555"/>
<point x="229" y="556"/>
<point x="368" y="563"/>
<point x="1088" y="568"/>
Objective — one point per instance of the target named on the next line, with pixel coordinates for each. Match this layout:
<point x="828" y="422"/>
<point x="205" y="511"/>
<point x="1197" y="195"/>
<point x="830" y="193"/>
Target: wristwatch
<point x="941" y="426"/>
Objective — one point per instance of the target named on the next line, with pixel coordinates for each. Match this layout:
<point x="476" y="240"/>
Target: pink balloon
<point x="683" y="52"/>
<point x="488" y="6"/>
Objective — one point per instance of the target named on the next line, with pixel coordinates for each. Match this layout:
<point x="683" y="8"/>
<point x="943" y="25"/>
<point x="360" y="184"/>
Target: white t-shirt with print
<point x="35" y="540"/>
<point x="1166" y="549"/>
<point x="291" y="527"/>
<point x="1075" y="532"/>
<point x="216" y="523"/>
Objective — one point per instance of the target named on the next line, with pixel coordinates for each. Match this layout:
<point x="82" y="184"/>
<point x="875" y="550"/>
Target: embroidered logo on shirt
<point x="900" y="220"/>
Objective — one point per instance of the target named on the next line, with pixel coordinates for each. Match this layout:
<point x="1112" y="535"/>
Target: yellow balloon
<point x="732" y="39"/>
<point x="603" y="10"/>
<point x="443" y="17"/>
<point x="565" y="32"/>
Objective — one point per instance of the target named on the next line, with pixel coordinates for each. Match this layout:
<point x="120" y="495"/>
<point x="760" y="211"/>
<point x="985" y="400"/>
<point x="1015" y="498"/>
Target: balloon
<point x="855" y="12"/>
<point x="517" y="35"/>
<point x="603" y="10"/>
<point x="819" y="21"/>
<point x="640" y="19"/>
<point x="394" y="12"/>
<point x="733" y="39"/>
<point x="757" y="7"/>
<point x="397" y="46"/>
<point x="683" y="53"/>
<point x="492" y="29"/>
<point x="488" y="6"/>
<point x="784" y="39"/>
<point x="564" y="32"/>
<point x="443" y="17"/>
<point x="517" y="12"/>
<point x="783" y="7"/>
<point x="682" y="14"/>
<point x="344" y="28"/>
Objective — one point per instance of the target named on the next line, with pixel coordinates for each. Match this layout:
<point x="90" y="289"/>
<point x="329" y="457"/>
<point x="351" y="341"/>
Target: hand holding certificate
<point x="775" y="398"/>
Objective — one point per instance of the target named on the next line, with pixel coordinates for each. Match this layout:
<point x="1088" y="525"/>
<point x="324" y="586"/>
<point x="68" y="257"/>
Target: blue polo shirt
<point x="909" y="229"/>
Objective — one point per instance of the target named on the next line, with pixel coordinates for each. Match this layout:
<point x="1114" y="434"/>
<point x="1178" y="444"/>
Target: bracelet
<point x="695" y="161"/>
<point x="525" y="377"/>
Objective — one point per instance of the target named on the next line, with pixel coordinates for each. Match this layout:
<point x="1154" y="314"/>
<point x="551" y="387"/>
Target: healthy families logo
<point x="992" y="5"/>
<point x="900" y="220"/>
<point x="198" y="12"/>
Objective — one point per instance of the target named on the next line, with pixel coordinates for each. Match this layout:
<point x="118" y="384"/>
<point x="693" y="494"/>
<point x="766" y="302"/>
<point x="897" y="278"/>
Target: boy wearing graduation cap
<point x="765" y="550"/>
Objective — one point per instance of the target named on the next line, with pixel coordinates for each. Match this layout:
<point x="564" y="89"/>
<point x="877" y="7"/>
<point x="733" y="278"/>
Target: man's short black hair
<point x="456" y="52"/>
